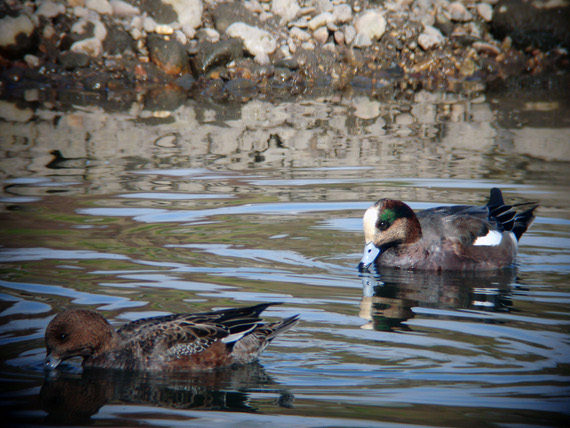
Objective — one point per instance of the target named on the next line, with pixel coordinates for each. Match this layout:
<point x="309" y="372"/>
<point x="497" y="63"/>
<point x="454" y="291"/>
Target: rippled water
<point x="176" y="229"/>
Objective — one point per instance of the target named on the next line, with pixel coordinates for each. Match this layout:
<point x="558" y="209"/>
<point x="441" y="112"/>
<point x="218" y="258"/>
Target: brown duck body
<point x="453" y="238"/>
<point x="200" y="341"/>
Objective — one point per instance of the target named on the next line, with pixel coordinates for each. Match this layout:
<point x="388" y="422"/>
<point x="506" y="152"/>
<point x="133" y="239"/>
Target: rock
<point x="349" y="34"/>
<point x="189" y="12"/>
<point x="371" y="24"/>
<point x="50" y="9"/>
<point x="485" y="11"/>
<point x="225" y="14"/>
<point x="459" y="12"/>
<point x="362" y="40"/>
<point x="118" y="40"/>
<point x="90" y="28"/>
<point x="430" y="38"/>
<point x="17" y="36"/>
<point x="320" y="21"/>
<point x="168" y="54"/>
<point x="529" y="25"/>
<point x="100" y="6"/>
<point x="321" y="35"/>
<point x="91" y="46"/>
<point x="72" y="60"/>
<point x="302" y="35"/>
<point x="256" y="41"/>
<point x="212" y="55"/>
<point x="286" y="9"/>
<point x="339" y="37"/>
<point x="122" y="9"/>
<point x="342" y="14"/>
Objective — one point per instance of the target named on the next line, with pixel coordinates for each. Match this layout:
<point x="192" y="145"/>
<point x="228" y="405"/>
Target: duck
<point x="188" y="341"/>
<point x="449" y="238"/>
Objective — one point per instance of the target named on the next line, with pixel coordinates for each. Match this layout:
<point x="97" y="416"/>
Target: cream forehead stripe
<point x="369" y="221"/>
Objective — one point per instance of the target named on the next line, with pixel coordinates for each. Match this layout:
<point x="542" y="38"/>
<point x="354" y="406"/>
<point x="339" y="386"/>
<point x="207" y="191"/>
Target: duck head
<point x="76" y="332"/>
<point x="388" y="223"/>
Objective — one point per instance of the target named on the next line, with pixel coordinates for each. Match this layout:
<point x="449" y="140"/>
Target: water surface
<point x="205" y="209"/>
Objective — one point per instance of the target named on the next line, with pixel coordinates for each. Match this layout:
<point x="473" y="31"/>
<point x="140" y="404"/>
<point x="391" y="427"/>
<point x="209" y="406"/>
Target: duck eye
<point x="383" y="225"/>
<point x="63" y="337"/>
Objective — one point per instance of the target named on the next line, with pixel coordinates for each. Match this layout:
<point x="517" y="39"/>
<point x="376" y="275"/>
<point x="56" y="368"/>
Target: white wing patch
<point x="490" y="239"/>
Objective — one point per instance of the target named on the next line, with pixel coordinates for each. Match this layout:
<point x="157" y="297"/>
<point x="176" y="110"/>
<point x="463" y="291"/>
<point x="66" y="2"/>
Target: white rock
<point x="349" y="34"/>
<point x="32" y="60"/>
<point x="189" y="11"/>
<point x="189" y="31"/>
<point x="255" y="40"/>
<point x="365" y="108"/>
<point x="122" y="9"/>
<point x="323" y="5"/>
<point x="80" y="11"/>
<point x="212" y="35"/>
<point x="286" y="9"/>
<point x="458" y="12"/>
<point x="362" y="40"/>
<point x="100" y="6"/>
<point x="342" y="14"/>
<point x="339" y="37"/>
<point x="49" y="9"/>
<point x="302" y="35"/>
<point x="308" y="46"/>
<point x="99" y="30"/>
<point x="372" y="24"/>
<point x="164" y="29"/>
<point x="92" y="47"/>
<point x="320" y="20"/>
<point x="11" y="27"/>
<point x="430" y="38"/>
<point x="485" y="11"/>
<point x="149" y="24"/>
<point x="321" y="35"/>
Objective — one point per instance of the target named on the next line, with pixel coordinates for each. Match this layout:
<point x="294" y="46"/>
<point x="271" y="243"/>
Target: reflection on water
<point x="73" y="399"/>
<point x="390" y="295"/>
<point x="133" y="219"/>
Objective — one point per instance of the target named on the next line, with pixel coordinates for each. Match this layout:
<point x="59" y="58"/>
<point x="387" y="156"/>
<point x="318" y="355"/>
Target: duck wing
<point x="174" y="336"/>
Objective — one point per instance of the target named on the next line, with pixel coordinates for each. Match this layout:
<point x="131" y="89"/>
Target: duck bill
<point x="371" y="252"/>
<point x="51" y="362"/>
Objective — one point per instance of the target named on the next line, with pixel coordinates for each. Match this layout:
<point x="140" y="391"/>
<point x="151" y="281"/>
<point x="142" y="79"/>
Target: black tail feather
<point x="507" y="216"/>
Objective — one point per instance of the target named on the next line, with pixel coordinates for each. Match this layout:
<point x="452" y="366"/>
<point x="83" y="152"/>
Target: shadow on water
<point x="390" y="295"/>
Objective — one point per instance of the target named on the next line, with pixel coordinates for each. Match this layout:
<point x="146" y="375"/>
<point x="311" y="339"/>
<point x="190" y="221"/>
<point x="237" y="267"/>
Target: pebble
<point x="10" y="28"/>
<point x="91" y="46"/>
<point x="100" y="6"/>
<point x="349" y="34"/>
<point x="122" y="9"/>
<point x="485" y="11"/>
<point x="189" y="12"/>
<point x="321" y="35"/>
<point x="50" y="9"/>
<point x="372" y="24"/>
<point x="430" y="38"/>
<point x="320" y="20"/>
<point x="256" y="41"/>
<point x="459" y="12"/>
<point x="286" y="9"/>
<point x="301" y="35"/>
<point x="342" y="14"/>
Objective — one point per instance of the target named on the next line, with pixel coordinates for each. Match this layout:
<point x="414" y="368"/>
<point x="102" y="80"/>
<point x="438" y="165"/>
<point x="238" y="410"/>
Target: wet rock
<point x="529" y="24"/>
<point x="118" y="40"/>
<point x="225" y="14"/>
<point x="257" y="42"/>
<point x="17" y="36"/>
<point x="371" y="24"/>
<point x="168" y="54"/>
<point x="71" y="60"/>
<point x="212" y="55"/>
<point x="443" y="24"/>
<point x="91" y="46"/>
<point x="286" y="9"/>
<point x="430" y="38"/>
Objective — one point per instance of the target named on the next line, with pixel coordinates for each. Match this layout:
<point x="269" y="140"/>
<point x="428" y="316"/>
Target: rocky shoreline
<point x="231" y="48"/>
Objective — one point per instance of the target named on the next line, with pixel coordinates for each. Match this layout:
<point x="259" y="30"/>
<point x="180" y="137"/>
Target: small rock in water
<point x="430" y="38"/>
<point x="16" y="36"/>
<point x="168" y="54"/>
<point x="91" y="46"/>
<point x="189" y="12"/>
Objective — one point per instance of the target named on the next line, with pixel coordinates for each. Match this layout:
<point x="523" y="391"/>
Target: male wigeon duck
<point x="201" y="341"/>
<point x="459" y="238"/>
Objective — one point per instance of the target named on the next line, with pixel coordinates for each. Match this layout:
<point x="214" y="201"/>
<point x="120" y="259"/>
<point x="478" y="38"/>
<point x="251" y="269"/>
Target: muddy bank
<point x="280" y="47"/>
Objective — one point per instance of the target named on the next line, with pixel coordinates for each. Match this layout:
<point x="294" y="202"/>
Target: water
<point x="143" y="213"/>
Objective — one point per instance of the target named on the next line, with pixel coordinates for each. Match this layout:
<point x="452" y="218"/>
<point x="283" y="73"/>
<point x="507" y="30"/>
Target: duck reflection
<point x="71" y="399"/>
<point x="389" y="295"/>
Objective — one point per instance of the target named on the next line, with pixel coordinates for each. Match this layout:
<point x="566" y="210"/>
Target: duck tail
<point x="508" y="217"/>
